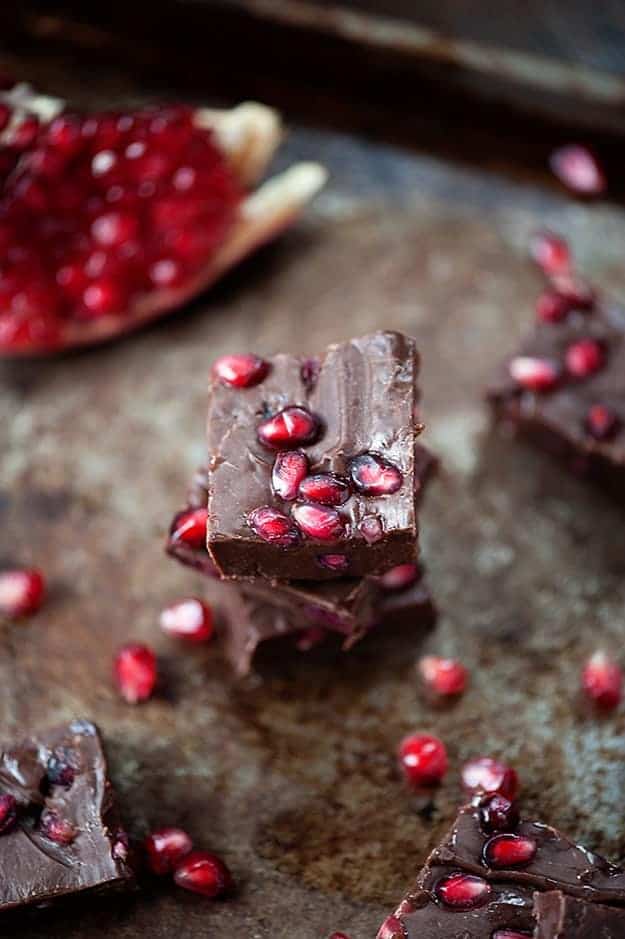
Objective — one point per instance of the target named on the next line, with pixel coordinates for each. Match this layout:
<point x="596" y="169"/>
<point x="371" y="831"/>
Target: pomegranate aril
<point x="65" y="134"/>
<point x="203" y="873"/>
<point x="57" y="829"/>
<point x="463" y="891"/>
<point x="601" y="422"/>
<point x="135" y="672"/>
<point x="490" y="776"/>
<point x="444" y="677"/>
<point x="497" y="813"/>
<point x="101" y="298"/>
<point x="423" y="759"/>
<point x="339" y="935"/>
<point x="534" y="374"/>
<point x="391" y="928"/>
<point x="400" y="577"/>
<point x="334" y="562"/>
<point x="165" y="848"/>
<point x="509" y="851"/>
<point x="550" y="252"/>
<point x="8" y="812"/>
<point x="289" y="469"/>
<point x="190" y="528"/>
<point x="602" y="681"/>
<point x="321" y="522"/>
<point x="273" y="526"/>
<point x="166" y="273"/>
<point x="292" y="426"/>
<point x="584" y="358"/>
<point x="552" y="307"/>
<point x="188" y="619"/>
<point x="374" y="476"/>
<point x="578" y="169"/>
<point x="25" y="133"/>
<point x="114" y="228"/>
<point x="21" y="592"/>
<point x="325" y="488"/>
<point x="240" y="371"/>
<point x="578" y="294"/>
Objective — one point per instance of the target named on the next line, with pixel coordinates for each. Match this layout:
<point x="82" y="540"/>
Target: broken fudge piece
<point x="59" y="830"/>
<point x="312" y="462"/>
<point x="559" y="916"/>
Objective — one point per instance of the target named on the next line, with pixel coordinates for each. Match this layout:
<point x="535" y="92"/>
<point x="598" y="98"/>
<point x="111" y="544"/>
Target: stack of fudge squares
<point x="304" y="519"/>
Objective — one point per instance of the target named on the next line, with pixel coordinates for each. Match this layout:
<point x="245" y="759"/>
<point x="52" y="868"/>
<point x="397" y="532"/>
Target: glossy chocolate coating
<point x="561" y="917"/>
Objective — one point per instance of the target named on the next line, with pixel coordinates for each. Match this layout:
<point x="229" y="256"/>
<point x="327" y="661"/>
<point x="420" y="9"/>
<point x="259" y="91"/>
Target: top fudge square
<point x="312" y="461"/>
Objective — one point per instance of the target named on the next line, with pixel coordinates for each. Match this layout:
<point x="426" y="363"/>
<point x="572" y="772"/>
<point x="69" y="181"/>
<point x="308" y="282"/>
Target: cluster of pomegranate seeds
<point x="509" y="851"/>
<point x="240" y="371"/>
<point x="486" y="775"/>
<point x="289" y="470"/>
<point x="400" y="577"/>
<point x="601" y="422"/>
<point x="584" y="358"/>
<point x="550" y="252"/>
<point x="463" y="891"/>
<point x="135" y="672"/>
<point x="165" y="848"/>
<point x="423" y="759"/>
<point x="189" y="527"/>
<point x="443" y="677"/>
<point x="318" y="521"/>
<point x="57" y="829"/>
<point x="8" y="812"/>
<point x="325" y="488"/>
<point x="533" y="373"/>
<point x="497" y="813"/>
<point x="374" y="476"/>
<point x="291" y="427"/>
<point x="602" y="681"/>
<point x="273" y="526"/>
<point x="188" y="619"/>
<point x="21" y="592"/>
<point x="204" y="873"/>
<point x="578" y="169"/>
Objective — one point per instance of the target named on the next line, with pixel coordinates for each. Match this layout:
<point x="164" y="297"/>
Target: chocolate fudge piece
<point x="59" y="829"/>
<point x="561" y="917"/>
<point x="349" y="423"/>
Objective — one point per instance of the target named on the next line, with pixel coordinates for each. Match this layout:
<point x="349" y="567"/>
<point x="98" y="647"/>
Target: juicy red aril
<point x="190" y="528"/>
<point x="21" y="592"/>
<point x="578" y="294"/>
<point x="400" y="577"/>
<point x="203" y="873"/>
<point x="240" y="371"/>
<point x="534" y="374"/>
<point x="273" y="526"/>
<point x="371" y="529"/>
<point x="8" y="812"/>
<point x="289" y="469"/>
<point x="550" y="252"/>
<point x="601" y="422"/>
<point x="391" y="928"/>
<point x="584" y="358"/>
<point x="318" y="521"/>
<point x="463" y="891"/>
<point x="509" y="851"/>
<point x="373" y="476"/>
<point x="578" y="169"/>
<point x="423" y="759"/>
<point x="59" y="769"/>
<point x="57" y="829"/>
<point x="487" y="775"/>
<point x="498" y="814"/>
<point x="602" y="681"/>
<point x="135" y="672"/>
<point x="165" y="848"/>
<point x="188" y="619"/>
<point x="552" y="307"/>
<point x="290" y="427"/>
<point x="334" y="562"/>
<point x="325" y="488"/>
<point x="444" y="677"/>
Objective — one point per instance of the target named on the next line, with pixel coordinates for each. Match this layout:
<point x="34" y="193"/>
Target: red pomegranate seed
<point x="550" y="252"/>
<point x="552" y="307"/>
<point x="400" y="577"/>
<point x="135" y="672"/>
<point x="318" y="521"/>
<point x="190" y="528"/>
<point x="602" y="681"/>
<point x="21" y="592"/>
<point x="8" y="813"/>
<point x="57" y="829"/>
<point x="165" y="848"/>
<point x="290" y="427"/>
<point x="489" y="776"/>
<point x="240" y="371"/>
<point x="334" y="562"/>
<point x="498" y="814"/>
<point x="578" y="294"/>
<point x="445" y="677"/>
<point x="103" y="297"/>
<point x="601" y="422"/>
<point x="114" y="228"/>
<point x="289" y="469"/>
<point x="584" y="358"/>
<point x="371" y="529"/>
<point x="325" y="488"/>
<point x="25" y="133"/>
<point x="188" y="619"/>
<point x="534" y="374"/>
<point x="578" y="169"/>
<point x="203" y="873"/>
<point x="510" y="934"/>
<point x="509" y="851"/>
<point x="373" y="476"/>
<point x="339" y="935"/>
<point x="391" y="928"/>
<point x="423" y="759"/>
<point x="273" y="526"/>
<point x="463" y="891"/>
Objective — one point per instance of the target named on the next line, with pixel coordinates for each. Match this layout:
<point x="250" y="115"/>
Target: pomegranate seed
<point x="463" y="891"/>
<point x="190" y="528"/>
<point x="498" y="814"/>
<point x="552" y="307"/>
<point x="325" y="488"/>
<point x="57" y="829"/>
<point x="578" y="294"/>
<point x="165" y="848"/>
<point x="273" y="526"/>
<point x="166" y="273"/>
<point x="444" y="677"/>
<point x="423" y="759"/>
<point x="601" y="422"/>
<point x="25" y="133"/>
<point x="339" y="935"/>
<point x="102" y="298"/>
<point x="602" y="681"/>
<point x="8" y="812"/>
<point x="509" y="851"/>
<point x="64" y="134"/>
<point x="289" y="469"/>
<point x="114" y="228"/>
<point x="334" y="562"/>
<point x="584" y="358"/>
<point x="510" y="934"/>
<point x="391" y="928"/>
<point x="135" y="672"/>
<point x="371" y="529"/>
<point x="318" y="521"/>
<point x="534" y="374"/>
<point x="59" y="769"/>
<point x="578" y="169"/>
<point x="240" y="371"/>
<point x="373" y="476"/>
<point x="400" y="577"/>
<point x="550" y="252"/>
<point x="21" y="592"/>
<point x="490" y="776"/>
<point x="291" y="427"/>
<point x="203" y="873"/>
<point x="188" y="619"/>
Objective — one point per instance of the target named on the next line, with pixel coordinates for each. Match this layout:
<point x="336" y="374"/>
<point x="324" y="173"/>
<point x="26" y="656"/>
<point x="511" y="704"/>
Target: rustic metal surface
<point x="290" y="773"/>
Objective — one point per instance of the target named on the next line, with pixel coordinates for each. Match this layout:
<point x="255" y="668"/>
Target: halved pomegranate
<point x="113" y="219"/>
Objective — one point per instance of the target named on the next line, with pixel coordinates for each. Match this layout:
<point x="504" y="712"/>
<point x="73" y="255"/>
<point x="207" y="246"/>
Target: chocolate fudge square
<point x="561" y="917"/>
<point x="59" y="829"/>
<point x="312" y="468"/>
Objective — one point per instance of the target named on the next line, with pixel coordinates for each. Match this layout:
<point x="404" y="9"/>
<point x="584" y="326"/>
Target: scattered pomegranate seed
<point x="8" y="812"/>
<point x="57" y="829"/>
<point x="534" y="374"/>
<point x="21" y="592"/>
<point x="601" y="422"/>
<point x="602" y="681"/>
<point x="165" y="848"/>
<point x="373" y="476"/>
<point x="273" y="526"/>
<point x="445" y="677"/>
<point x="400" y="577"/>
<point x="578" y="294"/>
<point x="497" y="813"/>
<point x="325" y="488"/>
<point x="59" y="769"/>
<point x="463" y="891"/>
<point x="318" y="521"/>
<point x="371" y="529"/>
<point x="578" y="169"/>
<point x="240" y="371"/>
<point x="135" y="672"/>
<point x="188" y="619"/>
<point x="550" y="252"/>
<point x="203" y="873"/>
<point x="509" y="851"/>
<point x="334" y="562"/>
<point x="584" y="358"/>
<point x="289" y="469"/>
<point x="190" y="527"/>
<point x="552" y="307"/>
<point x="489" y="776"/>
<point x="290" y="427"/>
<point x="423" y="759"/>
<point x="391" y="928"/>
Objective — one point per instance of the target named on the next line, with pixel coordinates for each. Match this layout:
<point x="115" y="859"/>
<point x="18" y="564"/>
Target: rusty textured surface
<point x="290" y="773"/>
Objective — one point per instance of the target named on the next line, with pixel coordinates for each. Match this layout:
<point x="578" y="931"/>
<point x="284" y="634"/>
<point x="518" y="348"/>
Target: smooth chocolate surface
<point x="561" y="917"/>
<point x="60" y="774"/>
<point x="364" y="394"/>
